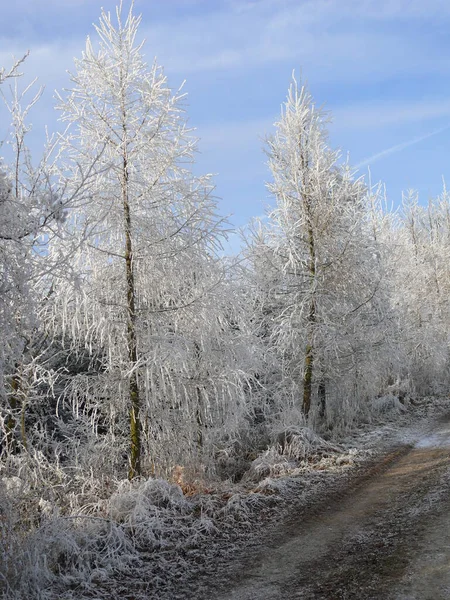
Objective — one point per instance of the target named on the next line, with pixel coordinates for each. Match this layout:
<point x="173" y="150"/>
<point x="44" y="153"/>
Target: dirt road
<point x="387" y="537"/>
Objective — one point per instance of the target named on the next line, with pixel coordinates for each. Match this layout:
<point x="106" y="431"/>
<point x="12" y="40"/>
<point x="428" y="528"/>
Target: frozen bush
<point x="132" y="497"/>
<point x="240" y="506"/>
<point x="68" y="550"/>
<point x="148" y="510"/>
<point x="388" y="404"/>
<point x="301" y="443"/>
<point x="270" y="464"/>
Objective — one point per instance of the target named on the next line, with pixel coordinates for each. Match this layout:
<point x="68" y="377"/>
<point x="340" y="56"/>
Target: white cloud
<point x="376" y="116"/>
<point x="335" y="40"/>
<point x="235" y="134"/>
<point x="359" y="117"/>
<point x="399" y="147"/>
<point x="317" y="35"/>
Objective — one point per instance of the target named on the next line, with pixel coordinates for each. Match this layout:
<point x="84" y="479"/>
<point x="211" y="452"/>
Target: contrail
<point x="399" y="147"/>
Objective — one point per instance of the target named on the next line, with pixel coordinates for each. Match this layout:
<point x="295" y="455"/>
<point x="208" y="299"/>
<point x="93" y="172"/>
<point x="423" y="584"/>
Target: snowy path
<point x="388" y="537"/>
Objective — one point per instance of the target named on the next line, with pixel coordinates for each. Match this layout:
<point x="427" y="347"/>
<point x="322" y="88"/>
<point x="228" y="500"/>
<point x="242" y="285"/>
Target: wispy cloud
<point x="235" y="134"/>
<point x="333" y="40"/>
<point x="370" y="116"/>
<point x="399" y="147"/>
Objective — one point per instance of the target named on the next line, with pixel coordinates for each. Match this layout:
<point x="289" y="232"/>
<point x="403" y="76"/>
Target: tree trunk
<point x="322" y="393"/>
<point x="308" y="367"/>
<point x="135" y="425"/>
<point x="198" y="411"/>
<point x="199" y="419"/>
<point x="11" y="421"/>
<point x="309" y="363"/>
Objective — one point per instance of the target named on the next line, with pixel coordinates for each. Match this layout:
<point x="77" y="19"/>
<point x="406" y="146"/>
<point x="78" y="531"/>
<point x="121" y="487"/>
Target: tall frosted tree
<point x="147" y="265"/>
<point x="419" y="265"/>
<point x="318" y="254"/>
<point x="31" y="207"/>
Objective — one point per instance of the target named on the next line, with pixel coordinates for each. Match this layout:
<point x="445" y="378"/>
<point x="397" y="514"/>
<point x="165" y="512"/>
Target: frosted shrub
<point x="301" y="443"/>
<point x="152" y="492"/>
<point x="388" y="404"/>
<point x="9" y="539"/>
<point x="270" y="464"/>
<point x="240" y="506"/>
<point x="233" y="458"/>
<point x="144" y="507"/>
<point x="70" y="551"/>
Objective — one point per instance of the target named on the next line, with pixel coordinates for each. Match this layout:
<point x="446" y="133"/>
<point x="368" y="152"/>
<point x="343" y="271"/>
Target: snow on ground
<point x="151" y="540"/>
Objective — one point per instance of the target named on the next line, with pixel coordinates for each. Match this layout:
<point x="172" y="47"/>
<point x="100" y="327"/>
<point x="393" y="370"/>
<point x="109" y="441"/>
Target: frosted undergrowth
<point x="388" y="403"/>
<point x="302" y="443"/>
<point x="294" y="451"/>
<point x="85" y="552"/>
<point x="66" y="536"/>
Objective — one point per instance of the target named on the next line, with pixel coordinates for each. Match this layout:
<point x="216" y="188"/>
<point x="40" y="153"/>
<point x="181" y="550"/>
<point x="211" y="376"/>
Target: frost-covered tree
<point x="29" y="206"/>
<point x="34" y="200"/>
<point x="147" y="299"/>
<point x="317" y="256"/>
<point x="420" y="254"/>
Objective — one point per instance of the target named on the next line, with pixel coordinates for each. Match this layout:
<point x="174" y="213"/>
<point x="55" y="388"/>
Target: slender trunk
<point x="135" y="426"/>
<point x="308" y="364"/>
<point x="11" y="420"/>
<point x="23" y="430"/>
<point x="198" y="393"/>
<point x="15" y="400"/>
<point x="308" y="367"/>
<point x="322" y="393"/>
<point x="199" y="420"/>
<point x="135" y="423"/>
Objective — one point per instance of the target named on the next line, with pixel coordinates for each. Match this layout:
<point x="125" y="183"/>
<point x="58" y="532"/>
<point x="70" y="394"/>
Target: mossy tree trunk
<point x="135" y="425"/>
<point x="308" y="368"/>
<point x="134" y="402"/>
<point x="322" y="394"/>
<point x="198" y="393"/>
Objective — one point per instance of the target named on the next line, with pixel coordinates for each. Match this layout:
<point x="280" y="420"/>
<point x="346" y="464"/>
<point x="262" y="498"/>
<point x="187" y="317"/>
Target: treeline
<point x="132" y="346"/>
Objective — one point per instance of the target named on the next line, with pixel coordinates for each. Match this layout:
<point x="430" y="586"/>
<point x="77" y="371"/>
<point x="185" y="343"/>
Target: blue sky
<point x="380" y="66"/>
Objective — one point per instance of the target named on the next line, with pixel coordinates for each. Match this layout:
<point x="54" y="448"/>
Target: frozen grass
<point x="66" y="536"/>
<point x="148" y="519"/>
<point x="388" y="404"/>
